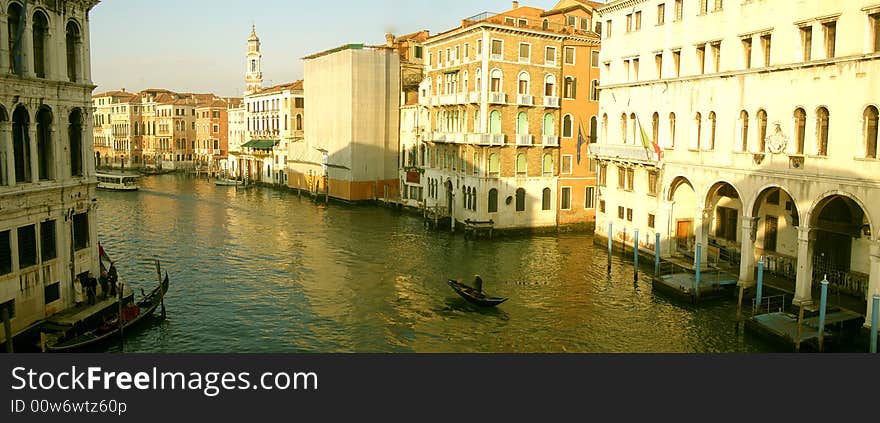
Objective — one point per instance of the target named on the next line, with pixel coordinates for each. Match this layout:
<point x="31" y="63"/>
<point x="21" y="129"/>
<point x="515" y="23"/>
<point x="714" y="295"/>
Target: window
<point x="522" y="22"/>
<point x="594" y="58"/>
<point x="658" y="62"/>
<point x="747" y="52"/>
<point x="569" y="88"/>
<point x="638" y="21"/>
<point x="870" y="131"/>
<point x="51" y="293"/>
<point x="571" y="20"/>
<point x="744" y="130"/>
<point x="630" y="179"/>
<point x="550" y="86"/>
<point x="822" y="131"/>
<point x="520" y="200"/>
<point x="494" y="165"/>
<point x="608" y="29"/>
<point x="762" y="131"/>
<point x="698" y="131"/>
<point x="589" y="197"/>
<point x="621" y="212"/>
<point x="601" y="206"/>
<point x="550" y="55"/>
<point x="545" y="199"/>
<point x="635" y="66"/>
<point x="726" y="224"/>
<point x="525" y="52"/>
<point x="585" y="24"/>
<point x="676" y="62"/>
<point x="566" y="198"/>
<point x="5" y="253"/>
<point x="80" y="231"/>
<point x="655" y="128"/>
<point x="547" y="165"/>
<point x="807" y="42"/>
<point x="704" y="7"/>
<point x="765" y="46"/>
<point x="74" y="43"/>
<point x="629" y="215"/>
<point x="718" y="5"/>
<point x="48" y="249"/>
<point x="602" y="177"/>
<point x="830" y="31"/>
<point x="21" y="144"/>
<point x="497" y="49"/>
<point x="27" y="246"/>
<point x="567" y="131"/>
<point x="40" y="42"/>
<point x="679" y="10"/>
<point x="521" y="165"/>
<point x="621" y="178"/>
<point x="874" y="18"/>
<point x="716" y="55"/>
<point x="594" y="90"/>
<point x="493" y="201"/>
<point x="800" y="129"/>
<point x="495" y="81"/>
<point x="651" y="221"/>
<point x="701" y="60"/>
<point x="629" y="22"/>
<point x="712" y="126"/>
<point x="479" y="47"/>
<point x="569" y="55"/>
<point x="566" y="164"/>
<point x="661" y="14"/>
<point x="417" y="52"/>
<point x="545" y="24"/>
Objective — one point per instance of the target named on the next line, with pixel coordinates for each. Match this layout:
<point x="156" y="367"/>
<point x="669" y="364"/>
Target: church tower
<point x="254" y="75"/>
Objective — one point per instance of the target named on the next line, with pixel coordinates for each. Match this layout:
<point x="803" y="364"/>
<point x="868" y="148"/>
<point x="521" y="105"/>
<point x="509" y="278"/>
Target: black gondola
<point x="475" y="297"/>
<point x="132" y="314"/>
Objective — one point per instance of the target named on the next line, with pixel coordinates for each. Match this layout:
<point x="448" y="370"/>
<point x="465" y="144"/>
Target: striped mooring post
<point x="610" y="246"/>
<point x="657" y="254"/>
<point x="699" y="264"/>
<point x="636" y="256"/>
<point x="760" y="282"/>
<point x="823" y="303"/>
<point x="875" y="311"/>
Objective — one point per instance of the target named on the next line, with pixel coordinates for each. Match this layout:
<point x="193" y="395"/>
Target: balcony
<point x="636" y="153"/>
<point x="480" y="139"/>
<point x="436" y="137"/>
<point x="455" y="137"/>
<point x="494" y="56"/>
<point x="524" y="140"/>
<point x="525" y="100"/>
<point x="497" y="98"/>
<point x="447" y="99"/>
<point x="550" y="141"/>
<point x="474" y="97"/>
<point x="461" y="98"/>
<point x="496" y="139"/>
<point x="551" y="102"/>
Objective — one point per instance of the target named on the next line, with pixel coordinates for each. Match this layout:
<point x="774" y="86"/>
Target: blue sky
<point x="199" y="45"/>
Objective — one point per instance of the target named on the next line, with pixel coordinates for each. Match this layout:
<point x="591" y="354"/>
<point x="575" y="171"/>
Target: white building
<point x="237" y="132"/>
<point x="48" y="230"/>
<point x="766" y="114"/>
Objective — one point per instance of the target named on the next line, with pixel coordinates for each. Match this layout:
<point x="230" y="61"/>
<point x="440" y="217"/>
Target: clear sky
<point x="200" y="45"/>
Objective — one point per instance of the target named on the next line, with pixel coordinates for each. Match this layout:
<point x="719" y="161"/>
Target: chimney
<point x="123" y="90"/>
<point x="515" y="4"/>
<point x="389" y="39"/>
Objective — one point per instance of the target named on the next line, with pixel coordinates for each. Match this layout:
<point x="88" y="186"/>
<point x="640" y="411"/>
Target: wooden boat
<point x="475" y="297"/>
<point x="132" y="314"/>
<point x="117" y="182"/>
<point x="228" y="182"/>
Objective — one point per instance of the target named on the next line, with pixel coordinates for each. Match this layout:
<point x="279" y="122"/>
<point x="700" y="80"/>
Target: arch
<point x="523" y="83"/>
<point x="522" y="123"/>
<point x="495" y="122"/>
<point x="545" y="24"/>
<point x="594" y="130"/>
<point x="496" y="80"/>
<point x="870" y="123"/>
<point x="655" y="128"/>
<point x="521" y="165"/>
<point x="824" y="199"/>
<point x="623" y="126"/>
<point x="762" y="130"/>
<point x="676" y="183"/>
<point x="761" y="194"/>
<point x="744" y="131"/>
<point x="569" y="88"/>
<point x="492" y="206"/>
<point x="494" y="164"/>
<point x="465" y="81"/>
<point x="550" y="85"/>
<point x="14" y="14"/>
<point x="44" y="144"/>
<point x="40" y="43"/>
<point x="21" y="148"/>
<point x="723" y="188"/>
<point x="73" y="48"/>
<point x="823" y="120"/>
<point x="520" y="199"/>
<point x="671" y="130"/>
<point x="545" y="199"/>
<point x="725" y="204"/>
<point x="299" y="122"/>
<point x="800" y="130"/>
<point x="547" y="164"/>
<point x="605" y="127"/>
<point x="567" y="126"/>
<point x="549" y="127"/>
<point x="698" y="131"/>
<point x="712" y="126"/>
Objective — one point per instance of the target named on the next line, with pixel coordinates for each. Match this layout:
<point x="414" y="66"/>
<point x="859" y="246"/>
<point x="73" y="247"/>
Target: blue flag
<point x="580" y="142"/>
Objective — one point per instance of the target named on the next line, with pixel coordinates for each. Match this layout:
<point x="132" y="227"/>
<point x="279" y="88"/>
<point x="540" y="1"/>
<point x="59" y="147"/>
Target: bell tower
<point x="254" y="75"/>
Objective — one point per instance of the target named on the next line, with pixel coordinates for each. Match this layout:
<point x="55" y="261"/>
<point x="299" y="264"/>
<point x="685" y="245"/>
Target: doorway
<point x="683" y="234"/>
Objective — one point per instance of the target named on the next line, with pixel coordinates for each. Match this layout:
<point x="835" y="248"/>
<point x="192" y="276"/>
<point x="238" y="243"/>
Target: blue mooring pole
<point x="697" y="278"/>
<point x="822" y="304"/>
<point x="636" y="255"/>
<point x="610" y="240"/>
<point x="657" y="254"/>
<point x="760" y="282"/>
<point x="875" y="311"/>
<point x="623" y="243"/>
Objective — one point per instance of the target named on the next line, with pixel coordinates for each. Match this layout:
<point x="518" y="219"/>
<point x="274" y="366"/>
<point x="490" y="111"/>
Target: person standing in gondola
<point x="112" y="277"/>
<point x="478" y="284"/>
<point x="103" y="280"/>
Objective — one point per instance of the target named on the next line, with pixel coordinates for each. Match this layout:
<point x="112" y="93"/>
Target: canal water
<point x="262" y="270"/>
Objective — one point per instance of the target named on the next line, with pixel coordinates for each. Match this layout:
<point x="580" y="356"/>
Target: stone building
<point x="512" y="102"/>
<point x="48" y="230"/>
<point x="757" y="152"/>
<point x="212" y="142"/>
<point x="413" y="115"/>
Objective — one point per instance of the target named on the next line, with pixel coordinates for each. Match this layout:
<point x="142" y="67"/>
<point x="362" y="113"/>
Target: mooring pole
<point x="822" y="304"/>
<point x="657" y="254"/>
<point x="697" y="272"/>
<point x="7" y="326"/>
<point x="760" y="282"/>
<point x="610" y="246"/>
<point x="623" y="243"/>
<point x="636" y="255"/>
<point x="875" y="310"/>
<point x="797" y="345"/>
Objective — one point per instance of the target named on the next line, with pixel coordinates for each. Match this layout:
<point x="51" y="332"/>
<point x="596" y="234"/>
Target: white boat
<point x="117" y="182"/>
<point x="228" y="182"/>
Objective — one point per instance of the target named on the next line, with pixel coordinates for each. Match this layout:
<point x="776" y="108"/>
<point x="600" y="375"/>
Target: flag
<point x="580" y="142"/>
<point x="646" y="142"/>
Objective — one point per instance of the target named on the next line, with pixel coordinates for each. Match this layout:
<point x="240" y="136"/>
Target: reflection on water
<point x="261" y="270"/>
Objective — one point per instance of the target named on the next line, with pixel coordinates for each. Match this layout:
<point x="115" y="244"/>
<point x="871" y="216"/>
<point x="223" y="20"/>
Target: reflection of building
<point x="352" y="115"/>
<point x="750" y="165"/>
<point x="511" y="99"/>
<point x="48" y="231"/>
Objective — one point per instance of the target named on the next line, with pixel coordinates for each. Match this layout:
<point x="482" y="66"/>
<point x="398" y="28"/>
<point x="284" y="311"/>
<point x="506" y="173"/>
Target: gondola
<point x="228" y="183"/>
<point x="475" y="297"/>
<point x="132" y="314"/>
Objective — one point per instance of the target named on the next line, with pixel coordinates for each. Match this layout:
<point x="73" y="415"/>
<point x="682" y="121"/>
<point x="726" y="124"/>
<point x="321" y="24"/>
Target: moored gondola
<point x="474" y="296"/>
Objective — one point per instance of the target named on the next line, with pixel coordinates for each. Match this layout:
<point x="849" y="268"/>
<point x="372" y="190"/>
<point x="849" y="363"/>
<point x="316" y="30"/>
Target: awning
<point x="451" y="71"/>
<point x="260" y="144"/>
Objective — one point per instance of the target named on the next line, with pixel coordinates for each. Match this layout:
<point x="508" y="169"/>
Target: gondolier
<point x="478" y="283"/>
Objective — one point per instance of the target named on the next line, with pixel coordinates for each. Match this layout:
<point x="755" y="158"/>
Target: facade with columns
<point x="48" y="229"/>
<point x="759" y="153"/>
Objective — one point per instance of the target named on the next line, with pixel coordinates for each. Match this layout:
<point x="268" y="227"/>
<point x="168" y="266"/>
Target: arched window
<point x="522" y="123"/>
<point x="567" y="125"/>
<point x="545" y="199"/>
<point x="655" y="128"/>
<point x="547" y="165"/>
<point x="478" y="80"/>
<point x="698" y="131"/>
<point x="21" y="148"/>
<point x="822" y="131"/>
<point x="520" y="200"/>
<point x="605" y="127"/>
<point x="712" y="125"/>
<point x="495" y="81"/>
<point x="299" y="122"/>
<point x="594" y="130"/>
<point x="549" y="128"/>
<point x="464" y="82"/>
<point x="623" y="127"/>
<point x="40" y="42"/>
<point x="494" y="164"/>
<point x="495" y="122"/>
<point x="4" y="172"/>
<point x="13" y="23"/>
<point x="521" y="165"/>
<point x="634" y="123"/>
<point x="74" y="43"/>
<point x="870" y="125"/>
<point x="492" y="206"/>
<point x="523" y="83"/>
<point x="800" y="130"/>
<point x="466" y="198"/>
<point x="672" y="130"/>
<point x="744" y="130"/>
<point x="545" y="24"/>
<point x="550" y="86"/>
<point x="569" y="88"/>
<point x="762" y="131"/>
